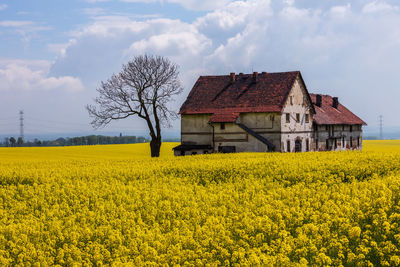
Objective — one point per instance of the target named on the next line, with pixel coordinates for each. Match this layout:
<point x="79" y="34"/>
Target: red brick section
<point x="327" y="114"/>
<point x="218" y="95"/>
<point x="224" y="117"/>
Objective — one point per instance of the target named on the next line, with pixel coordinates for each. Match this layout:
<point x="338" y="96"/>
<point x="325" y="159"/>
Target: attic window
<point x="291" y="100"/>
<point x="222" y="126"/>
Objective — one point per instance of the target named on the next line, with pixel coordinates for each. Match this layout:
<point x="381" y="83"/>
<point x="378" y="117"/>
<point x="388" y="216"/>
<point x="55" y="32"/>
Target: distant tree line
<point x="74" y="141"/>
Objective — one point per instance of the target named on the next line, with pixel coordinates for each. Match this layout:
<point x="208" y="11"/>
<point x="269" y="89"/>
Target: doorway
<point x="297" y="146"/>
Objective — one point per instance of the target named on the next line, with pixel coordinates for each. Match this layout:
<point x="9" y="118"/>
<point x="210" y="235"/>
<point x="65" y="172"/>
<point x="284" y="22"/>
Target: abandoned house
<point x="264" y="112"/>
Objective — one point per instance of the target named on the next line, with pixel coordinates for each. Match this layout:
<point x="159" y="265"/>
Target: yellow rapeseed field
<point x="114" y="205"/>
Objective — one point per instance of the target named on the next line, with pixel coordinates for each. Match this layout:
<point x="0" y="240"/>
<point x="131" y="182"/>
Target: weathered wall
<point x="196" y="130"/>
<point x="297" y="103"/>
<point x="340" y="133"/>
<point x="265" y="124"/>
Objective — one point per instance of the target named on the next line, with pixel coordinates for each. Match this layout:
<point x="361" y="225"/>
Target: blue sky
<point x="53" y="54"/>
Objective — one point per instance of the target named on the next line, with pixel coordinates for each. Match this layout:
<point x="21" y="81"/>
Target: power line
<point x="381" y="127"/>
<point x="21" y="124"/>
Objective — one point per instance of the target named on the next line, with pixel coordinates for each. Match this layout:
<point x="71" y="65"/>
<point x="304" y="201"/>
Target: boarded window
<point x="287" y="117"/>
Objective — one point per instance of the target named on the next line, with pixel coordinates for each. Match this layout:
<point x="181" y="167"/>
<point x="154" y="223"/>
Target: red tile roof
<point x="217" y="94"/>
<point x="224" y="117"/>
<point x="327" y="114"/>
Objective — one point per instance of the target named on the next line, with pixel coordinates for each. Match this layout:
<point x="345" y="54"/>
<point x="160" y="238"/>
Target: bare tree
<point x="144" y="87"/>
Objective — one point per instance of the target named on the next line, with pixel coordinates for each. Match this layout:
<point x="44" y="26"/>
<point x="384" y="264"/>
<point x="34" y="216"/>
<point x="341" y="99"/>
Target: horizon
<point x="54" y="55"/>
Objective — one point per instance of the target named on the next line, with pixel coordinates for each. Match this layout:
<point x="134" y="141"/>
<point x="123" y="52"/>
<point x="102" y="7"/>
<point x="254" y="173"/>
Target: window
<point x="288" y="146"/>
<point x="307" y="118"/>
<point x="335" y="143"/>
<point x="298" y="117"/>
<point x="358" y="141"/>
<point x="326" y="144"/>
<point x="222" y="126"/>
<point x="351" y="140"/>
<point x="326" y="127"/>
<point x="271" y="118"/>
<point x="343" y="142"/>
<point x="291" y="100"/>
<point x="287" y="117"/>
<point x="307" y="145"/>
<point x="316" y="144"/>
<point x="351" y="128"/>
<point x="342" y="127"/>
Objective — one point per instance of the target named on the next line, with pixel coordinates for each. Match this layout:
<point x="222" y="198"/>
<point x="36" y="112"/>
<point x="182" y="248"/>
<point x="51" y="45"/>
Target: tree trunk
<point x="155" y="145"/>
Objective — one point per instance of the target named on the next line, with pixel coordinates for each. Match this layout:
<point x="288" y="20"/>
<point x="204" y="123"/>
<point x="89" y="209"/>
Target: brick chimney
<point x="335" y="102"/>
<point x="232" y="77"/>
<point x="318" y="102"/>
<point x="255" y="75"/>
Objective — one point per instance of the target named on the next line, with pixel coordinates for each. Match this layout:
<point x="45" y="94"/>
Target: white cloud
<point x="24" y="75"/>
<point x="15" y="23"/>
<point x="3" y="6"/>
<point x="188" y="4"/>
<point x="343" y="50"/>
<point x="378" y="6"/>
<point x="340" y="11"/>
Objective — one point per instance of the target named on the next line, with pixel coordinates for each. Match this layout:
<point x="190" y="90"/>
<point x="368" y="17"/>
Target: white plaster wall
<point x="297" y="102"/>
